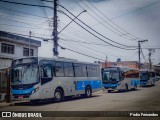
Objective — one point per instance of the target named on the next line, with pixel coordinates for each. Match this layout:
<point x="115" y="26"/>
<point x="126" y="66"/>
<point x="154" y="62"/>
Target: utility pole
<point x="55" y="32"/>
<point x="8" y="85"/>
<point x="106" y="61"/>
<point x="139" y="52"/>
<point x="29" y="42"/>
<point x="150" y="53"/>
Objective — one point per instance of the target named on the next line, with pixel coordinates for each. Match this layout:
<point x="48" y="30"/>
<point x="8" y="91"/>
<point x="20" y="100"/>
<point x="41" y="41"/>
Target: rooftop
<point x="19" y="39"/>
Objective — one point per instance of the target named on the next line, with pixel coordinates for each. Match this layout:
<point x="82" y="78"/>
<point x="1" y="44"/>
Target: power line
<point x="83" y="49"/>
<point x="95" y="17"/>
<point x="81" y="53"/>
<point x="78" y="31"/>
<point x="136" y="10"/>
<point x="10" y="19"/>
<point x="82" y="42"/>
<point x="18" y="3"/>
<point x="100" y="18"/>
<point x="92" y="28"/>
<point x="112" y="21"/>
<point x="97" y="36"/>
<point x="107" y="23"/>
<point x="21" y="12"/>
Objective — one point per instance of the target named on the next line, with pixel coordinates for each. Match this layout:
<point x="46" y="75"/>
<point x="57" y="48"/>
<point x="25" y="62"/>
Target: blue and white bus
<point x="147" y="77"/>
<point x="36" y="78"/>
<point x="118" y="79"/>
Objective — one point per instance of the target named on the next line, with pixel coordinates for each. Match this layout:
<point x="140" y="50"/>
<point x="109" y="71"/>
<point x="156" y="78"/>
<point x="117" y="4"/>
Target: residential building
<point x="14" y="46"/>
<point x="11" y="47"/>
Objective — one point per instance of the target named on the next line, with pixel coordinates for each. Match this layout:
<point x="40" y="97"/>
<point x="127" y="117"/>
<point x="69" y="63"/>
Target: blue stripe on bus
<point x="81" y="85"/>
<point x="135" y="81"/>
<point x="20" y="92"/>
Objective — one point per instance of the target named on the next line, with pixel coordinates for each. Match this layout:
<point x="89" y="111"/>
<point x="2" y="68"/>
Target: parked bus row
<point x="36" y="78"/>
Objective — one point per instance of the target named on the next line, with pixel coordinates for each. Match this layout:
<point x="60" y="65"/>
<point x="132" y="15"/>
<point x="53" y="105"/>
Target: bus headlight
<point x="35" y="90"/>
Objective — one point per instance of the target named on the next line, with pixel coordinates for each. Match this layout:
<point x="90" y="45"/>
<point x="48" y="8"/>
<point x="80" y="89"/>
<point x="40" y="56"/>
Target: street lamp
<point x="72" y="20"/>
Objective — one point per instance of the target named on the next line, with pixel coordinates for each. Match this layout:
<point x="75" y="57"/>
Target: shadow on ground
<point x="51" y="101"/>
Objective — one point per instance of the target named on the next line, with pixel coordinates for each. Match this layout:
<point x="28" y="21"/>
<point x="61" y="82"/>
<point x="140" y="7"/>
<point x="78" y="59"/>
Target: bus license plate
<point x="20" y="96"/>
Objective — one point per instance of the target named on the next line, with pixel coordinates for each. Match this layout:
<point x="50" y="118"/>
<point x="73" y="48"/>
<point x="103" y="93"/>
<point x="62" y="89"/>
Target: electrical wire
<point x="126" y="33"/>
<point x="121" y="34"/>
<point x="19" y="3"/>
<point x="81" y="53"/>
<point x="92" y="28"/>
<point x="95" y="35"/>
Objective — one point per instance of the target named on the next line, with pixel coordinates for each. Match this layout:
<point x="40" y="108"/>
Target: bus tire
<point x="126" y="87"/>
<point x="35" y="101"/>
<point x="88" y="91"/>
<point x="58" y="95"/>
<point x="109" y="91"/>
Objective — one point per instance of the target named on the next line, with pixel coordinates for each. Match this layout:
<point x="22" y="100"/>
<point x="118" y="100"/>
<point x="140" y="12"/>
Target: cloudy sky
<point x="118" y="22"/>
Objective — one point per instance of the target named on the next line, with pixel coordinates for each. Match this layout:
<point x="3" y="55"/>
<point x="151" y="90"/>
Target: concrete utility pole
<point x="55" y="32"/>
<point x="8" y="85"/>
<point x="29" y="42"/>
<point x="150" y="53"/>
<point x="106" y="61"/>
<point x="139" y="52"/>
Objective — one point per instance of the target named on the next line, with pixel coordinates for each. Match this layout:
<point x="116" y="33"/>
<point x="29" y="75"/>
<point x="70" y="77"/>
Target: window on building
<point x="6" y="48"/>
<point x="68" y="69"/>
<point x="77" y="70"/>
<point x="26" y="52"/>
<point x="59" y="69"/>
<point x="31" y="52"/>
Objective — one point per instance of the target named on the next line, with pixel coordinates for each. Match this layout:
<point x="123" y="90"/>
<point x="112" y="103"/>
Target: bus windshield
<point x="144" y="76"/>
<point x="114" y="76"/>
<point x="110" y="76"/>
<point x="106" y="76"/>
<point x="25" y="74"/>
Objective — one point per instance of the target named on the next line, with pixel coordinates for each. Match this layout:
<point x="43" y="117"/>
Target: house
<point x="11" y="47"/>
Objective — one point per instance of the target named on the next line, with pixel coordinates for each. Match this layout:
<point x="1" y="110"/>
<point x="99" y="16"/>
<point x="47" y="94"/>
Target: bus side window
<point x="77" y="69"/>
<point x="59" y="69"/>
<point x="94" y="71"/>
<point x="46" y="73"/>
<point x="122" y="76"/>
<point x="84" y="70"/>
<point x="68" y="69"/>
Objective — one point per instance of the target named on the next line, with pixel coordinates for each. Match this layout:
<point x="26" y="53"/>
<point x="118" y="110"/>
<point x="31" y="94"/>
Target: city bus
<point x="147" y="77"/>
<point x="120" y="79"/>
<point x="37" y="79"/>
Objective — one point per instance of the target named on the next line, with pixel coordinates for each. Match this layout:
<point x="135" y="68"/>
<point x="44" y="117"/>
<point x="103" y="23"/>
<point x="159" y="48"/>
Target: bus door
<point x="46" y="78"/>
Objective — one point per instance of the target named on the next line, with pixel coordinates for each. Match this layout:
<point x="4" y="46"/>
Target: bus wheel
<point x="126" y="87"/>
<point x="58" y="95"/>
<point x="34" y="101"/>
<point x="88" y="91"/>
<point x="109" y="91"/>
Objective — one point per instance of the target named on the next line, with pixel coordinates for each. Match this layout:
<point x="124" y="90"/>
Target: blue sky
<point x="138" y="17"/>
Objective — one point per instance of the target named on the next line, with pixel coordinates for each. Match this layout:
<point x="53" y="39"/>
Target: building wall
<point x="5" y="58"/>
<point x="130" y="64"/>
